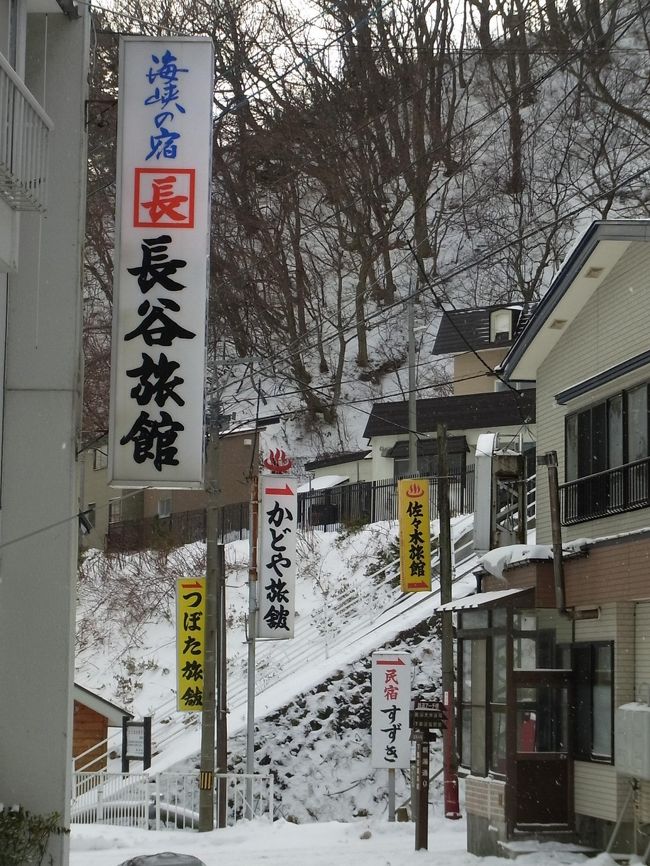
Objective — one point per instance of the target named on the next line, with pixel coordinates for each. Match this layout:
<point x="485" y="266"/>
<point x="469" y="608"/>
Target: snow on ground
<point x="362" y="843"/>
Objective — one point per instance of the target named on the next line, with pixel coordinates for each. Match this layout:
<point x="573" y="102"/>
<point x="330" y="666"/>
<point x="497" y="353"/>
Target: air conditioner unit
<point x="632" y="751"/>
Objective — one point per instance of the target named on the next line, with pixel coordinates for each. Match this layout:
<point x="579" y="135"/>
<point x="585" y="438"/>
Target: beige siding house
<point x="573" y="645"/>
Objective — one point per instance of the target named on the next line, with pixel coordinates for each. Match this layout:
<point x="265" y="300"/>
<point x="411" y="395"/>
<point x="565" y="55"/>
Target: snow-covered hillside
<point x="313" y="691"/>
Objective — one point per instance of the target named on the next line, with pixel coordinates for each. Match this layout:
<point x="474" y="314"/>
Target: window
<point x="606" y="456"/>
<point x="428" y="465"/>
<point x="91" y="514"/>
<point x="100" y="459"/>
<point x="500" y="326"/>
<point x="165" y="507"/>
<point x="498" y="705"/>
<point x="482" y="692"/>
<point x="593" y="666"/>
<point x="608" y="434"/>
<point x="473" y="705"/>
<point x="542" y="719"/>
<point x="115" y="511"/>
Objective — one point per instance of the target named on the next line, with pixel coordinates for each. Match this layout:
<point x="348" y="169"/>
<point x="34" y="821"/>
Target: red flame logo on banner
<point x="414" y="490"/>
<point x="277" y="462"/>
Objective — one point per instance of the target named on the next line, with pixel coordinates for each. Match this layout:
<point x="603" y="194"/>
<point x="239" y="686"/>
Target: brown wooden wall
<point x="612" y="571"/>
<point x="89" y="728"/>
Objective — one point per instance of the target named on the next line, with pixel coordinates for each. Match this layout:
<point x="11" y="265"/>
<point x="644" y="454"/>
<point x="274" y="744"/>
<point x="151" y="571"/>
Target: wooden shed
<point x="93" y="716"/>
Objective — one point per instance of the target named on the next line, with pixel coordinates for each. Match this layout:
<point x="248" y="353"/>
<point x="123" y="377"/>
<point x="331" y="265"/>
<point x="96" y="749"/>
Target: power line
<point x="295" y="346"/>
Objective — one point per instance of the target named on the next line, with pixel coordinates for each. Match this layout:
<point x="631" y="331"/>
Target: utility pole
<point x="206" y="786"/>
<point x="252" y="632"/>
<point x="222" y="684"/>
<point x="412" y="415"/>
<point x="452" y="806"/>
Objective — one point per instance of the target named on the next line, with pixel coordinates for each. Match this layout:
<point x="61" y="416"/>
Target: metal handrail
<point x="25" y="92"/>
<point x="24" y="140"/>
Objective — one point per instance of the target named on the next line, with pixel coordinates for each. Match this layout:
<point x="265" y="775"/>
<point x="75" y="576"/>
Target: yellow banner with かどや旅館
<point x="414" y="535"/>
<point x="190" y="643"/>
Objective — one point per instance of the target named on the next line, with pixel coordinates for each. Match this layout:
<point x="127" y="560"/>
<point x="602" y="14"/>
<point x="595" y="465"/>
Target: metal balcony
<point x="613" y="491"/>
<point x="24" y="134"/>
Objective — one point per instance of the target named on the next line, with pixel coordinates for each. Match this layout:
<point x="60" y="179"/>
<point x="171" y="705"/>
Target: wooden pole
<point x="452" y="806"/>
<point x="208" y="716"/>
<point x="222" y="689"/>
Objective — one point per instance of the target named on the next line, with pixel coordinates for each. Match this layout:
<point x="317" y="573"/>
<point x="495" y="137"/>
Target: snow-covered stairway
<point x="361" y="625"/>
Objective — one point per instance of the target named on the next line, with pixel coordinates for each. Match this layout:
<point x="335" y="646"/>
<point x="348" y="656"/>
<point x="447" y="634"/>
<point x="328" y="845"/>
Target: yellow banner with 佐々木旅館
<point x="414" y="535"/>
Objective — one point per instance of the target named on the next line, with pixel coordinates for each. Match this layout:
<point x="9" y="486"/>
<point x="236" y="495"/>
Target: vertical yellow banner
<point x="414" y="535"/>
<point x="190" y="643"/>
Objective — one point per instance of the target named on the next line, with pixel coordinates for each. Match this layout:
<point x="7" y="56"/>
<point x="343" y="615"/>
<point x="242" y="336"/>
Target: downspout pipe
<point x="550" y="461"/>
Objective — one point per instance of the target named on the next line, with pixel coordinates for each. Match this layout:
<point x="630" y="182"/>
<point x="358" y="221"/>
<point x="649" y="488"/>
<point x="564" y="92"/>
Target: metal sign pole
<point x="391" y="794"/>
<point x="252" y="631"/>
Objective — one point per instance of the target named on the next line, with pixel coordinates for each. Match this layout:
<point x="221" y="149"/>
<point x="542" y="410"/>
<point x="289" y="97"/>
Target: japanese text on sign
<point x="277" y="557"/>
<point x="391" y="696"/>
<point x="156" y="431"/>
<point x="190" y="643"/>
<point x="414" y="535"/>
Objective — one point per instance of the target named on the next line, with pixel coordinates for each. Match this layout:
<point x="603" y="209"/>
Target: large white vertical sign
<point x="161" y="262"/>
<point x="276" y="568"/>
<point x="391" y="702"/>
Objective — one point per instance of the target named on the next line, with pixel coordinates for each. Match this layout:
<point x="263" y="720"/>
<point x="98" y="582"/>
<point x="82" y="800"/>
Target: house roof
<point x="336" y="459"/>
<point x="100" y="705"/>
<point x="485" y="411"/>
<point x="466" y="330"/>
<point x="428" y="447"/>
<point x="495" y="598"/>
<point x="597" y="251"/>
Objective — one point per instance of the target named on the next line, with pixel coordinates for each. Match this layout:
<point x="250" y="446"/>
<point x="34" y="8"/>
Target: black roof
<point x="460" y="412"/>
<point x="335" y="459"/>
<point x="464" y="330"/>
<point x="428" y="447"/>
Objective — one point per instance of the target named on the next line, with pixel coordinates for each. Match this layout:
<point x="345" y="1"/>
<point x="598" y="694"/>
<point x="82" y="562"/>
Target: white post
<point x="391" y="794"/>
<point x="157" y="796"/>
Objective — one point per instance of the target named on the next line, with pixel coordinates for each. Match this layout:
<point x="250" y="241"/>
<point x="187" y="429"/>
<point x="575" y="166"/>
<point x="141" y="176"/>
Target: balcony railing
<point x="613" y="491"/>
<point x="24" y="136"/>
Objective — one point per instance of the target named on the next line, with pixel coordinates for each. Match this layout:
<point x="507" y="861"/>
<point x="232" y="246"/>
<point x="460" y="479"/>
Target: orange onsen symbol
<point x="414" y="491"/>
<point x="277" y="462"/>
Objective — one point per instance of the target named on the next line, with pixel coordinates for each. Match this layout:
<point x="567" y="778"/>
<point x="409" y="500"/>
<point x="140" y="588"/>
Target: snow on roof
<point x="494" y="561"/>
<point x="324" y="482"/>
<point x="479" y="599"/>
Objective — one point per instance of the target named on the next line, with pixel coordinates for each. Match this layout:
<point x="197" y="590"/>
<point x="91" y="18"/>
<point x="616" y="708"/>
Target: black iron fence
<point x="624" y="488"/>
<point x="333" y="509"/>
<point x="371" y="501"/>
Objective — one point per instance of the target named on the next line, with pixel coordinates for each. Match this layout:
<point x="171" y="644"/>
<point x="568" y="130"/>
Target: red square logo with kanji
<point x="164" y="198"/>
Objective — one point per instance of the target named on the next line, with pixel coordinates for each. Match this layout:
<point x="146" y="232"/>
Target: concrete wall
<point x="39" y="482"/>
<point x="612" y="327"/>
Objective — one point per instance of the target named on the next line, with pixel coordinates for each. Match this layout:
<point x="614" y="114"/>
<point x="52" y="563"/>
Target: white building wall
<point x="39" y="495"/>
<point x="612" y="327"/>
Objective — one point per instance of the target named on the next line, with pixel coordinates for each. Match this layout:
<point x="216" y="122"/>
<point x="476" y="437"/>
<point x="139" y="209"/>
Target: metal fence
<point x="330" y="510"/>
<point x="167" y="801"/>
<point x="370" y="501"/>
